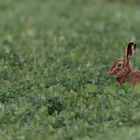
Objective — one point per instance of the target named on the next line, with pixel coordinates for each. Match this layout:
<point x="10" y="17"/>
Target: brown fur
<point x="123" y="70"/>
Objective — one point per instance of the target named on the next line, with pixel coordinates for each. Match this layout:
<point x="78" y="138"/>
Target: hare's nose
<point x="110" y="72"/>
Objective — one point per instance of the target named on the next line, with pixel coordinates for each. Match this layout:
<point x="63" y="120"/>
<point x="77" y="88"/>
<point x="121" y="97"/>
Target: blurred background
<point x="123" y="1"/>
<point x="54" y="61"/>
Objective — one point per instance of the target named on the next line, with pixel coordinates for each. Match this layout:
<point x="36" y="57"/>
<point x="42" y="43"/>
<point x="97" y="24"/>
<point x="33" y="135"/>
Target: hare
<point x="123" y="70"/>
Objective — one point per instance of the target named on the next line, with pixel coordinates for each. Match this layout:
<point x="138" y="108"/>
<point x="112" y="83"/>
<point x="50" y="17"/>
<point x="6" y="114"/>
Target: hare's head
<point x="122" y="67"/>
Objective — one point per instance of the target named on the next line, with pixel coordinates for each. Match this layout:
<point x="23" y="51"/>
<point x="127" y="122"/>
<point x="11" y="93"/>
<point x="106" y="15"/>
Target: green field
<point x="54" y="61"/>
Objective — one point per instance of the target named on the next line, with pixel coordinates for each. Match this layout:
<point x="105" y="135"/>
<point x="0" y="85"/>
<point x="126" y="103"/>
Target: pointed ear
<point x="130" y="50"/>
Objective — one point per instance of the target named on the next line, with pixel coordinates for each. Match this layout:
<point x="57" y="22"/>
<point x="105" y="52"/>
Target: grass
<point x="54" y="58"/>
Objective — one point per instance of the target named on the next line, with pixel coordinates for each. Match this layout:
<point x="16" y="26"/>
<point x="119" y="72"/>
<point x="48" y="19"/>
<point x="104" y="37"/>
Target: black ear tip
<point x="132" y="44"/>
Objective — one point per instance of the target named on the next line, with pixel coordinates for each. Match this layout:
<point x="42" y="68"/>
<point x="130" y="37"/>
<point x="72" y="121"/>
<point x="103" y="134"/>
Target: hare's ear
<point x="129" y="51"/>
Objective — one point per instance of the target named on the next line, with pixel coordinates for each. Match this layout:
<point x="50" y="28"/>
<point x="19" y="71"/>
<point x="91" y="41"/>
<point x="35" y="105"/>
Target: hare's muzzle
<point x="110" y="72"/>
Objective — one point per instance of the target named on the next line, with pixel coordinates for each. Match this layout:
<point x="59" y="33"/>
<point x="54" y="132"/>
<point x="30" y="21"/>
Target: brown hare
<point x="123" y="70"/>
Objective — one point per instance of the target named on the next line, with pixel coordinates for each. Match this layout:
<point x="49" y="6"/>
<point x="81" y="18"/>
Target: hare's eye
<point x="119" y="65"/>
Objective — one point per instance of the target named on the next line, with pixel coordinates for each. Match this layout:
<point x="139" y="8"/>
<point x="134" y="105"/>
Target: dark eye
<point x="119" y="65"/>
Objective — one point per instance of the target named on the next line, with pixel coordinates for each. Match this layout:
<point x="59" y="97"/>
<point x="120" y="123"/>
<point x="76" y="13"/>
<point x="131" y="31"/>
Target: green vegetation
<point x="54" y="58"/>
